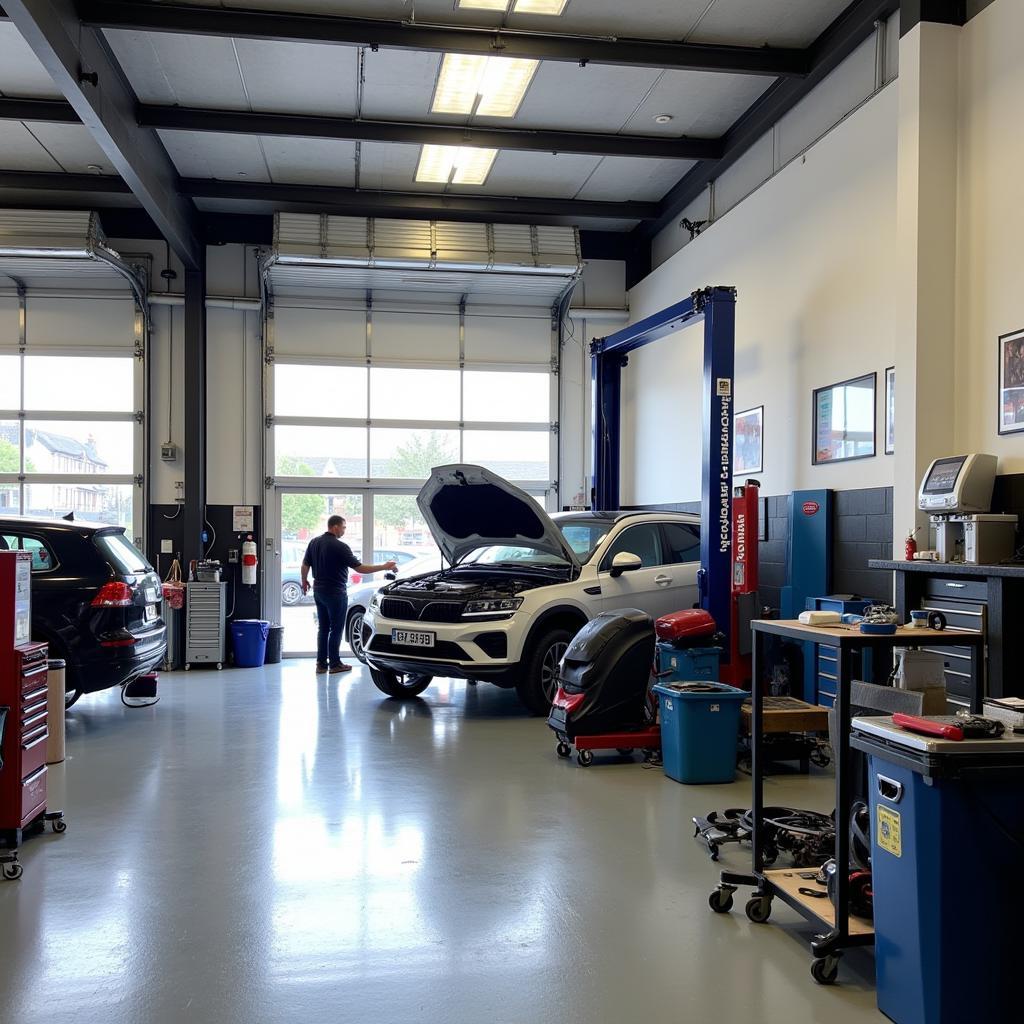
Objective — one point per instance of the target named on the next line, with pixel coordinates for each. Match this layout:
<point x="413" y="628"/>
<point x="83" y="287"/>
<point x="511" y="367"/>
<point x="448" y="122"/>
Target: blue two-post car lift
<point x="717" y="308"/>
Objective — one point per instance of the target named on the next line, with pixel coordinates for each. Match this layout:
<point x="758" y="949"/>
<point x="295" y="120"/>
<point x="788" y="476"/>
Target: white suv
<point x="519" y="586"/>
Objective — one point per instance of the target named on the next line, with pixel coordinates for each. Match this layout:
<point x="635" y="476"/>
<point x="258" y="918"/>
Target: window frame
<point x="21" y="537"/>
<point x="665" y="524"/>
<point x="604" y="565"/>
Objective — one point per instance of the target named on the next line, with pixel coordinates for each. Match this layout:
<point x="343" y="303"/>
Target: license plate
<point x="411" y="638"/>
<point x="150" y="613"/>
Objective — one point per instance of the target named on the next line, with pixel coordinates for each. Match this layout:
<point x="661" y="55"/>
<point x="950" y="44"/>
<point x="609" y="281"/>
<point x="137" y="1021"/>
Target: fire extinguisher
<point x="249" y="561"/>
<point x="910" y="546"/>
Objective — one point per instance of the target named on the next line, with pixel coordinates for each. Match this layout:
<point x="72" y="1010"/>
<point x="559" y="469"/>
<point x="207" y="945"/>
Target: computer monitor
<point x="958" y="484"/>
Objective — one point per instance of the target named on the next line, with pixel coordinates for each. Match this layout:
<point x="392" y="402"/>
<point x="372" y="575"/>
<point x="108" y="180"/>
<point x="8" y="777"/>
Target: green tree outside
<point x="298" y="511"/>
<point x="411" y="461"/>
<point x="9" y="454"/>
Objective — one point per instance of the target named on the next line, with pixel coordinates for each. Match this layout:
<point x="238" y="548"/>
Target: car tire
<point x="354" y="632"/>
<point x="538" y="683"/>
<point x="71" y="696"/>
<point x="399" y="684"/>
<point x="291" y="594"/>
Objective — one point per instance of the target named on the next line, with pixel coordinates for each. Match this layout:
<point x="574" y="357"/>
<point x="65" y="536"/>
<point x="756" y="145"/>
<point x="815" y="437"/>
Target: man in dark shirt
<point x="330" y="559"/>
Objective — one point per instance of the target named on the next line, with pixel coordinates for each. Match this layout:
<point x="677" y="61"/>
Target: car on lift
<point x="519" y="585"/>
<point x="95" y="600"/>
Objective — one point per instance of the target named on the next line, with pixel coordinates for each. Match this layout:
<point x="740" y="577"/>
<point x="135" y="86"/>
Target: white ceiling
<point x="310" y="78"/>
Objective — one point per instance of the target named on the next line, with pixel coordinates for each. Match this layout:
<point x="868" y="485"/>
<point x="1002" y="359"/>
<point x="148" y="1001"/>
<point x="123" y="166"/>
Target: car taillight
<point x="114" y="595"/>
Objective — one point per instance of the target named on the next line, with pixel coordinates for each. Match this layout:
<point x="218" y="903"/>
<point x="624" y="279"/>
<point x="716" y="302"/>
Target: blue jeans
<point x="330" y="611"/>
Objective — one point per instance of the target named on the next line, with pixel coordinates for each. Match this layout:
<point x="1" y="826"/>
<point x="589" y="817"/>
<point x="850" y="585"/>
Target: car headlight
<point x="375" y="600"/>
<point x="492" y="606"/>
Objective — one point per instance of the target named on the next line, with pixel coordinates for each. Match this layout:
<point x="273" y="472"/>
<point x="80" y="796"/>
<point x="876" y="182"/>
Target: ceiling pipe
<point x="212" y="301"/>
<point x="607" y="315"/>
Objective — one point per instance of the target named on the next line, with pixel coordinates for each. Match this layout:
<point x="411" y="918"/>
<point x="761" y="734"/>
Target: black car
<point x="95" y="600"/>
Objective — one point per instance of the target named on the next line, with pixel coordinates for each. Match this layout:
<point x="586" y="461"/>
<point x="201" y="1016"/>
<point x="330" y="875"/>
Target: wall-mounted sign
<point x="811" y="508"/>
<point x="242" y="519"/>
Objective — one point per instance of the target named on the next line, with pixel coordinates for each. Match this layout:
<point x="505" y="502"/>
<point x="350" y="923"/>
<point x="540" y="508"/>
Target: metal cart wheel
<point x="759" y="909"/>
<point x="187" y="666"/>
<point x="563" y="750"/>
<point x="585" y="758"/>
<point x="720" y="900"/>
<point x="220" y="665"/>
<point x="825" y="970"/>
<point x="59" y="825"/>
<point x="13" y="870"/>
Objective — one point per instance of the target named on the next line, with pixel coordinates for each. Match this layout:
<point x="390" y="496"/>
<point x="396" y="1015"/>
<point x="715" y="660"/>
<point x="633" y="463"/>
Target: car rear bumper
<point x="100" y="668"/>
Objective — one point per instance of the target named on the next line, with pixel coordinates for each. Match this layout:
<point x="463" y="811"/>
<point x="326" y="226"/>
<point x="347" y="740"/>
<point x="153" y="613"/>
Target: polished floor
<point x="267" y="846"/>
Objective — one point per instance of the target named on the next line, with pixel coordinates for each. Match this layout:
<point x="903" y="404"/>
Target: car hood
<point x="468" y="507"/>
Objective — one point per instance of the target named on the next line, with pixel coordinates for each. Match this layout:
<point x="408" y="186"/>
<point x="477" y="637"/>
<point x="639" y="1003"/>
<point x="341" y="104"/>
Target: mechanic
<point x="330" y="559"/>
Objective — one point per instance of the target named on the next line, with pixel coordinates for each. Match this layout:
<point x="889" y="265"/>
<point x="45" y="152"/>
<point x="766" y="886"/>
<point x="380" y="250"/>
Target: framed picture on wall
<point x="844" y="420"/>
<point x="890" y="410"/>
<point x="1011" y="382"/>
<point x="748" y="441"/>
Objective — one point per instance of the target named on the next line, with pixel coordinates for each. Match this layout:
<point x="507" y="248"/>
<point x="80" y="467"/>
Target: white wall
<point x="990" y="223"/>
<point x="812" y="254"/>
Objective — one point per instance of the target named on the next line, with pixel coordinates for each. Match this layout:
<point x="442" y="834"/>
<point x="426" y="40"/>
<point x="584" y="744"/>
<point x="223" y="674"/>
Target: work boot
<point x="321" y="668"/>
<point x="340" y="667"/>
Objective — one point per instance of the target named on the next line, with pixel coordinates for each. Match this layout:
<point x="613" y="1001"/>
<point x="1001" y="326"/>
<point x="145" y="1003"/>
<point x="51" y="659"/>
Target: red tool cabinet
<point x="23" y="671"/>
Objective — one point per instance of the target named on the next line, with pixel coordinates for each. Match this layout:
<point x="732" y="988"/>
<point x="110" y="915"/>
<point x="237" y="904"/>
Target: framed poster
<point x="844" y="420"/>
<point x="748" y="441"/>
<point x="890" y="410"/>
<point x="1011" y="382"/>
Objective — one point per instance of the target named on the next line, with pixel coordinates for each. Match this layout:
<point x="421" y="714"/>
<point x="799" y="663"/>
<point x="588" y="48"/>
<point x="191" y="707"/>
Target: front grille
<point x="406" y="610"/>
<point x="444" y="649"/>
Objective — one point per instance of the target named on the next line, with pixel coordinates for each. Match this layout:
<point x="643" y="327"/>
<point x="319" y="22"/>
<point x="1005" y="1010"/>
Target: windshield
<point x="507" y="554"/>
<point x="584" y="535"/>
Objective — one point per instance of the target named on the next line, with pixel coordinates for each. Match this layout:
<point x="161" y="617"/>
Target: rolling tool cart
<point x="839" y="930"/>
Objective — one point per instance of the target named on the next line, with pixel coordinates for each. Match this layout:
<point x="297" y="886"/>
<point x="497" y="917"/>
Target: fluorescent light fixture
<point x="489" y="86"/>
<point x="460" y="165"/>
<point x="518" y="7"/>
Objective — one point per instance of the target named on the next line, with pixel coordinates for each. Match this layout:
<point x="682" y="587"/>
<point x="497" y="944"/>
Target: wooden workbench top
<point x="834" y="635"/>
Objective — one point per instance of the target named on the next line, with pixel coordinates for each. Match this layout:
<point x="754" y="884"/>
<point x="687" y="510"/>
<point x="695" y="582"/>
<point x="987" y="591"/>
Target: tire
<point x="759" y="909"/>
<point x="397" y="684"/>
<point x="826" y="970"/>
<point x="538" y="683"/>
<point x="354" y="633"/>
<point x="291" y="593"/>
<point x="720" y="901"/>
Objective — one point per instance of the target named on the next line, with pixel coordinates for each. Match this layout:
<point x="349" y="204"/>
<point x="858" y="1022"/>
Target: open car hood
<point x="469" y="507"/>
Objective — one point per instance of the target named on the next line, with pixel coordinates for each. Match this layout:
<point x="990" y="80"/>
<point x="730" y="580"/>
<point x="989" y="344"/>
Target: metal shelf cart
<point x="838" y="930"/>
<point x="205" y="614"/>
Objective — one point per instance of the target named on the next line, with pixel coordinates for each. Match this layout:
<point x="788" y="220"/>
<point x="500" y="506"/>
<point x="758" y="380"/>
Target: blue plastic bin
<point x="700" y="724"/>
<point x="946" y="822"/>
<point x="676" y="664"/>
<point x="249" y="637"/>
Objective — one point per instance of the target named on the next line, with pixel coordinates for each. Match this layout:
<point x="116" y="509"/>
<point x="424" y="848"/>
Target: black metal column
<point x="195" y="412"/>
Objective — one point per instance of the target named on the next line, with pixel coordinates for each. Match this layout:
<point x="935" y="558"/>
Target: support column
<point x="926" y="232"/>
<point x="606" y="402"/>
<point x="195" y="412"/>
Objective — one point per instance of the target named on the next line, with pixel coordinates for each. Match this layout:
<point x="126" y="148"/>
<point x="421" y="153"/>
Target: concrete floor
<point x="267" y="846"/>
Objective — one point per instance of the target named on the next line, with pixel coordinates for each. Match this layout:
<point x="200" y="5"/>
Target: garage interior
<point x="267" y="262"/>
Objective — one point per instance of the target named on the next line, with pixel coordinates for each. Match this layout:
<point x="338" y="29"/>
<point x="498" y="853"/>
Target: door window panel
<point x="643" y="540"/>
<point x="43" y="559"/>
<point x="320" y="451"/>
<point x="403" y="454"/>
<point x="504" y="397"/>
<point x="683" y="542"/>
<point x="10" y="382"/>
<point x="301" y="390"/>
<point x="404" y="394"/>
<point x="513" y="454"/>
<point x="79" y="446"/>
<point x="112" y="504"/>
<point x="80" y="383"/>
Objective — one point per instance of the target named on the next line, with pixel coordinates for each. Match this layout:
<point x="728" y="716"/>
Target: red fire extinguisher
<point x="910" y="548"/>
<point x="249" y="561"/>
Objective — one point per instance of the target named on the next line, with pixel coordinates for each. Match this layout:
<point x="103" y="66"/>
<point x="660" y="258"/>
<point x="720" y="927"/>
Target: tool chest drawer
<point x="962" y="590"/>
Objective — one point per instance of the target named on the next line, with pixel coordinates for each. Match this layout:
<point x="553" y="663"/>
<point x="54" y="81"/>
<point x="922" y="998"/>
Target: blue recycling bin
<point x="947" y="821"/>
<point x="677" y="664"/>
<point x="249" y="637"/>
<point x="700" y="724"/>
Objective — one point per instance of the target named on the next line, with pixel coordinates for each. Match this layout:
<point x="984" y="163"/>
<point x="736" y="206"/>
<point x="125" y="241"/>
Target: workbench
<point x="838" y="930"/>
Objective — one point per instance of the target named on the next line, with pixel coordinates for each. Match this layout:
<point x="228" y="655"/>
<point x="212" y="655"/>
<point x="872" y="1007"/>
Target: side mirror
<point x="625" y="561"/>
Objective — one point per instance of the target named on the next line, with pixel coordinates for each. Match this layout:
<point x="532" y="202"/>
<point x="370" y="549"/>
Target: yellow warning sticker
<point x="888" y="831"/>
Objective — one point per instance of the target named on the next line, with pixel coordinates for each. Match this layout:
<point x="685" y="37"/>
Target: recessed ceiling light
<point x="95" y="168"/>
<point x="459" y="165"/>
<point x="489" y="86"/>
<point x="662" y="118"/>
<point x="517" y="6"/>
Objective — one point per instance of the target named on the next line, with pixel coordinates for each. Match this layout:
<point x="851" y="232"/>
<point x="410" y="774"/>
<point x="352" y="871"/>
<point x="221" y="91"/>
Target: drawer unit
<point x="205" y="627"/>
<point x="958" y="590"/>
<point x="961" y="613"/>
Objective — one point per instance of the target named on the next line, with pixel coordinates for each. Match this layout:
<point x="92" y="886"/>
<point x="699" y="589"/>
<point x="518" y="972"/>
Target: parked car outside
<point x="95" y="600"/>
<point x="519" y="586"/>
<point x="359" y="597"/>
<point x="292" y="553"/>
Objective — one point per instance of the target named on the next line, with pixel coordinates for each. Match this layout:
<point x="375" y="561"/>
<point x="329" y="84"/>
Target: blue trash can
<point x="689" y="663"/>
<point x="700" y="724"/>
<point x="947" y="821"/>
<point x="249" y="637"/>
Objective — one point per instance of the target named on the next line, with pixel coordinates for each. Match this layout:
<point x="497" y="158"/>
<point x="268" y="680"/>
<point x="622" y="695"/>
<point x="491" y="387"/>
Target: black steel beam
<point x="83" y="68"/>
<point x="194" y="440"/>
<point x="410" y="35"/>
<point x="237" y="122"/>
<point x="47" y="181"/>
<point x="432" y="204"/>
<point x="54" y="111"/>
<point x="828" y="51"/>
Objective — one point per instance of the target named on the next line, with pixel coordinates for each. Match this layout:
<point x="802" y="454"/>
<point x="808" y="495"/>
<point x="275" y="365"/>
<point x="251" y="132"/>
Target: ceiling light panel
<point x="484" y="5"/>
<point x="489" y="86"/>
<point x="459" y="165"/>
<point x="539" y="6"/>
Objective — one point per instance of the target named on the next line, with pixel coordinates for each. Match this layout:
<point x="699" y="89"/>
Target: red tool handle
<point x="928" y="727"/>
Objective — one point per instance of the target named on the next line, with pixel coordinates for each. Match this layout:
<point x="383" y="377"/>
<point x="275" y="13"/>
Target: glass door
<point x="303" y="515"/>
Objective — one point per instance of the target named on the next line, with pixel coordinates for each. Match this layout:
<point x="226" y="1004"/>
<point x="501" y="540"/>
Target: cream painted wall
<point x="990" y="223"/>
<point x="812" y="254"/>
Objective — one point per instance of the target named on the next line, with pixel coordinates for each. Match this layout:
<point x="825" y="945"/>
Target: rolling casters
<point x="563" y="750"/>
<point x="585" y="758"/>
<point x="759" y="909"/>
<point x="59" y="825"/>
<point x="825" y="970"/>
<point x="12" y="870"/>
<point x="720" y="900"/>
<point x="220" y="665"/>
